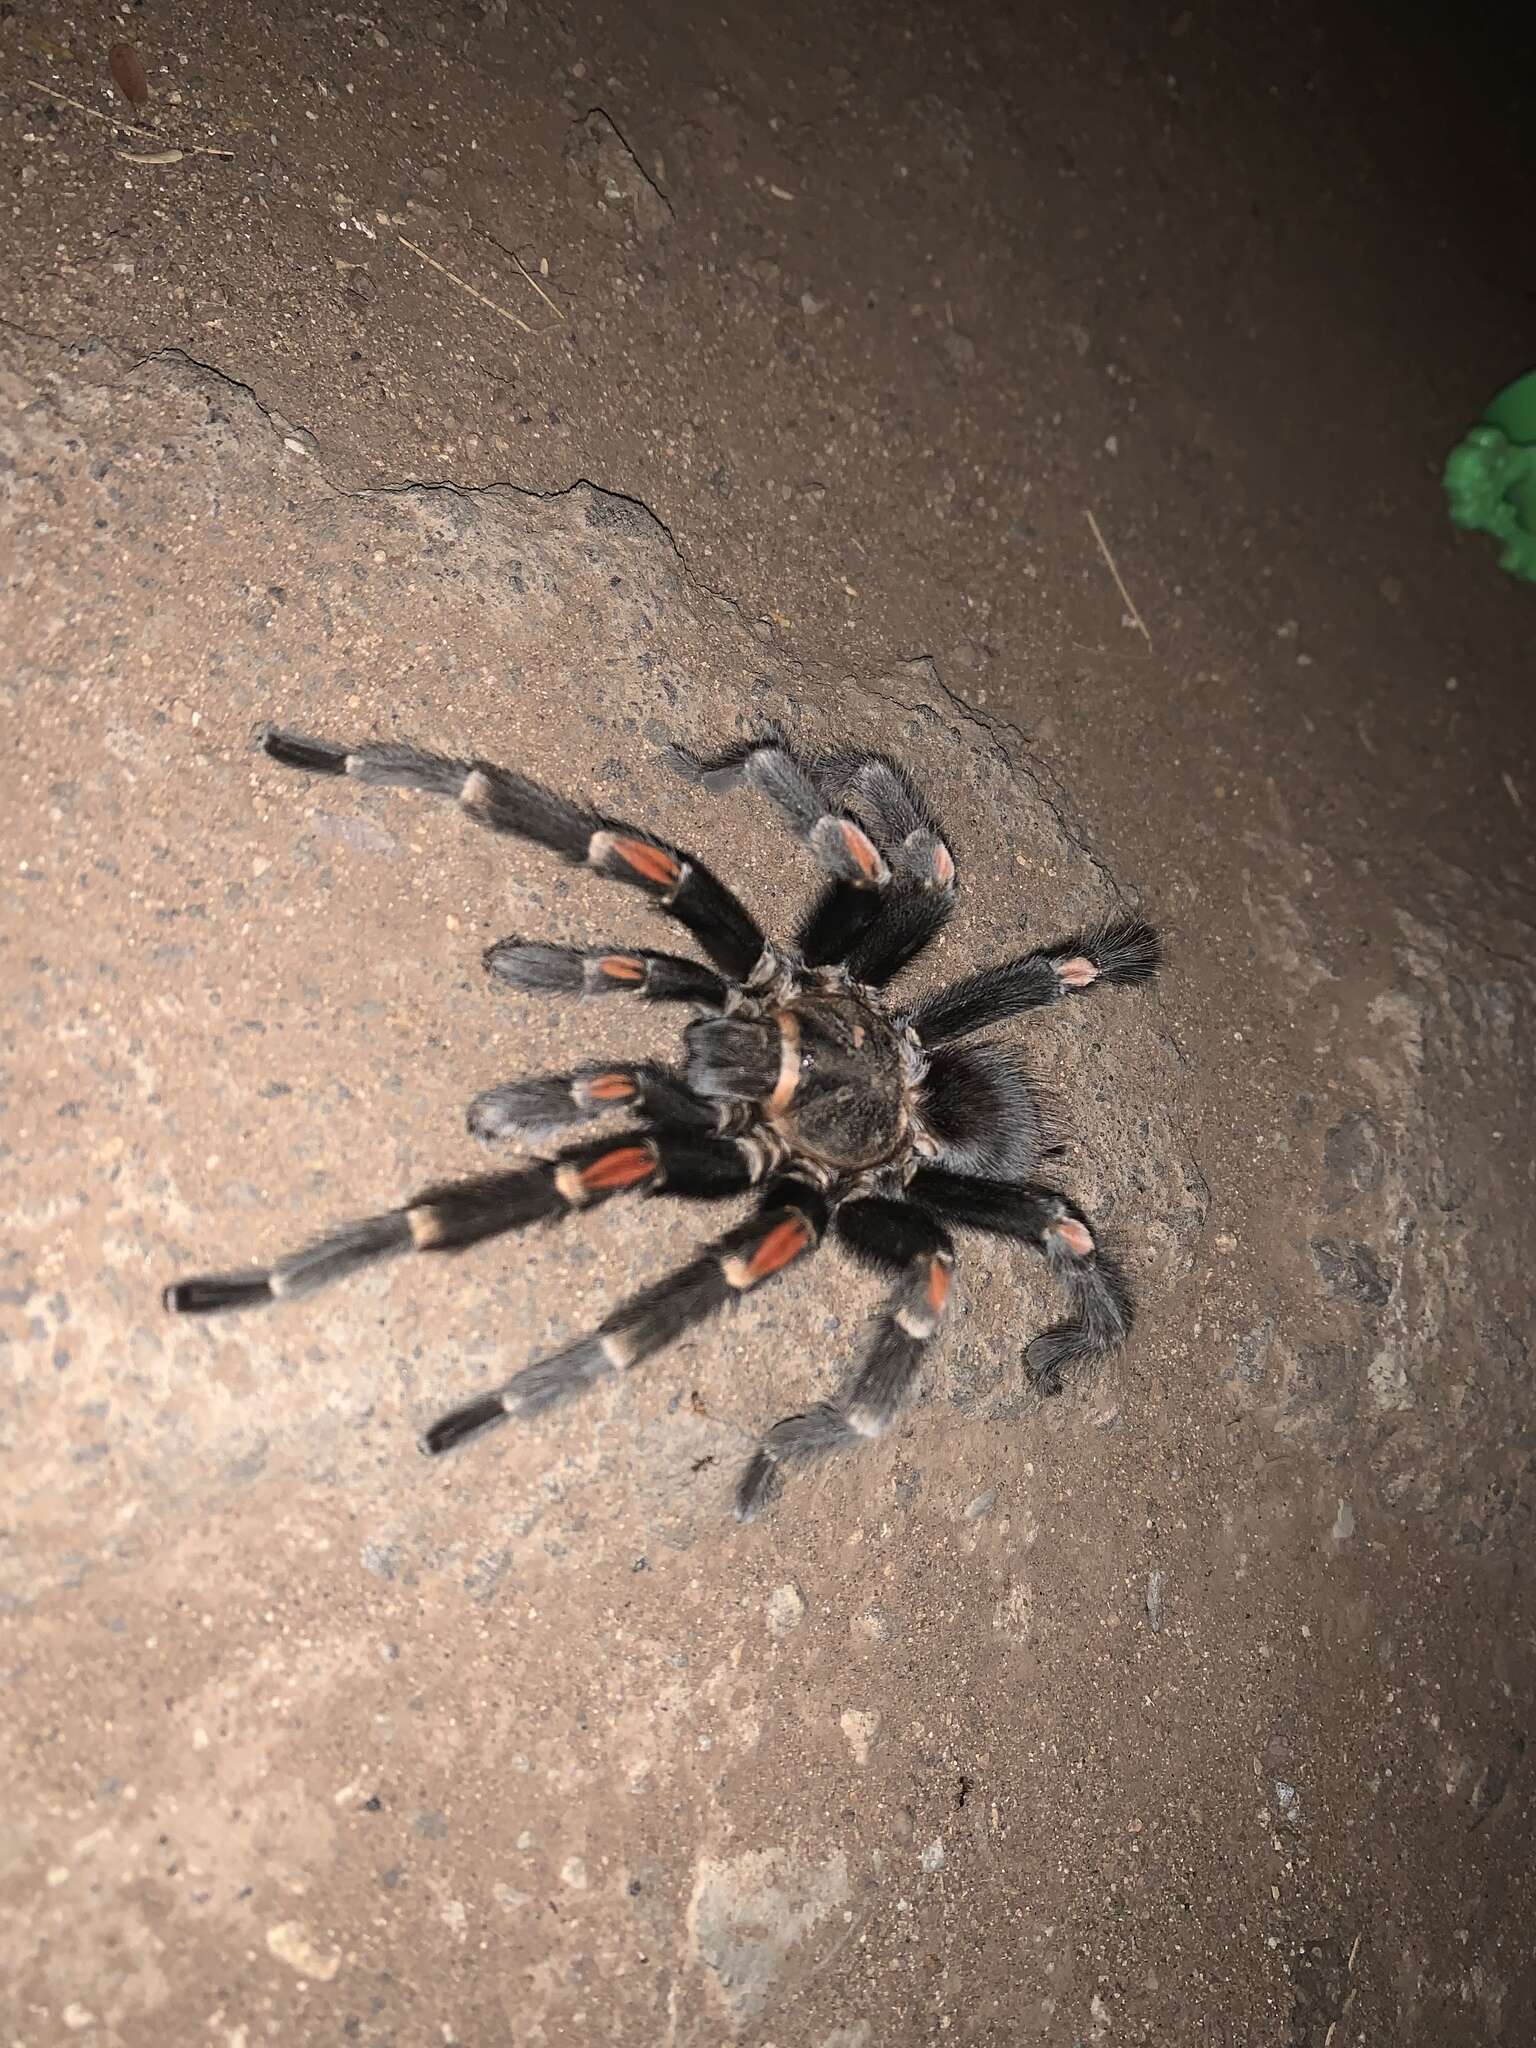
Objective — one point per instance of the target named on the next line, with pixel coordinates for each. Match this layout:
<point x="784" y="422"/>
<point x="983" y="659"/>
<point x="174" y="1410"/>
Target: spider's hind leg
<point x="786" y="1228"/>
<point x="898" y="1239"/>
<point x="1099" y="1306"/>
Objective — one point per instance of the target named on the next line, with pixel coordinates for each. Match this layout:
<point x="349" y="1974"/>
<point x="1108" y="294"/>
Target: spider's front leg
<point x="786" y="1228"/>
<point x="503" y="801"/>
<point x="892" y="886"/>
<point x="451" y="1217"/>
<point x="895" y="1238"/>
<point x="534" y="968"/>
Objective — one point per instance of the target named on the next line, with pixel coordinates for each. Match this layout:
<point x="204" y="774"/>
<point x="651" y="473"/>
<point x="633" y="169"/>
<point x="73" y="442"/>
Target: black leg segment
<point x="1124" y="950"/>
<point x="530" y="1110"/>
<point x="451" y="1217"/>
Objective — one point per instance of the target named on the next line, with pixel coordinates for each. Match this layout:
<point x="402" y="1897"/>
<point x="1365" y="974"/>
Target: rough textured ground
<point x="1192" y="1708"/>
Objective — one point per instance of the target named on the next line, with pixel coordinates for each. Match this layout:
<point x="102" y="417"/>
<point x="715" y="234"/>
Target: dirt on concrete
<point x="1192" y="1708"/>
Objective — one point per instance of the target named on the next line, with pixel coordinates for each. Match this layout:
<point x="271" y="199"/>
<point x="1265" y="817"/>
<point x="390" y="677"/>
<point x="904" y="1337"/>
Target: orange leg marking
<point x="1078" y="973"/>
<point x="939" y="1277"/>
<point x="1076" y="1237"/>
<point x="610" y="1087"/>
<point x="786" y="1241"/>
<point x="624" y="1167"/>
<point x="866" y="857"/>
<point x="621" y="967"/>
<point x="651" y="862"/>
<point x="943" y="866"/>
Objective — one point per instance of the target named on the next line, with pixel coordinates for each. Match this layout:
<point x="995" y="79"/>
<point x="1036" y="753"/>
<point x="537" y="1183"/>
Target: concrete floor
<point x="1191" y="1708"/>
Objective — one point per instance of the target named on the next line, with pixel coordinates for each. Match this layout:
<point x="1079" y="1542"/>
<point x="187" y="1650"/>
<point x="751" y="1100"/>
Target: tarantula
<point x="801" y="1077"/>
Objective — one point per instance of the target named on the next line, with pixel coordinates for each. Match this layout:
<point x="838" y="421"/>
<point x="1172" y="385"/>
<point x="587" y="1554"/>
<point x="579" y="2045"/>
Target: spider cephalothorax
<point x="827" y="1072"/>
<point x="802" y="1077"/>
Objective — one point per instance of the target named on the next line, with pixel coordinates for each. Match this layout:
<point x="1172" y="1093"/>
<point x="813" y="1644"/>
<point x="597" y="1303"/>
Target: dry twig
<point x="1130" y="603"/>
<point x="112" y="121"/>
<point x="454" y="278"/>
<point x="544" y="295"/>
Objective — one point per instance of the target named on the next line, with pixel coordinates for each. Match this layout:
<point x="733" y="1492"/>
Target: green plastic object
<point x="1490" y="478"/>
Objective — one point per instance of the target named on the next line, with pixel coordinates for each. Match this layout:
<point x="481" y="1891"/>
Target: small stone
<point x="873" y="1626"/>
<point x="1154" y="1601"/>
<point x="932" y="1857"/>
<point x="77" y="2017"/>
<point x="1387" y="1378"/>
<point x="981" y="1505"/>
<point x="1352" y="1273"/>
<point x="573" y="1872"/>
<point x="290" y="1943"/>
<point x="1344" y="1523"/>
<point x="786" y="1609"/>
<point x="859" y="1731"/>
<point x="1353" y="1156"/>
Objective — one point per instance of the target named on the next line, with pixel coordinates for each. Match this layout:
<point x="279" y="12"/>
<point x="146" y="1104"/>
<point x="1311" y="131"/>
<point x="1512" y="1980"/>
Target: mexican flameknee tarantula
<point x="801" y="1078"/>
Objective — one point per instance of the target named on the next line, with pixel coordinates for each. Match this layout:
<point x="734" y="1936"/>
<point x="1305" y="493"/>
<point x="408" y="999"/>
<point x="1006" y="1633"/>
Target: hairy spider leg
<point x="898" y="1239"/>
<point x="787" y="1227"/>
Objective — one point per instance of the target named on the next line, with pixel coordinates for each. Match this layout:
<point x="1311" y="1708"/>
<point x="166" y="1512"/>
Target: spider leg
<point x="456" y="1214"/>
<point x="835" y="841"/>
<point x="895" y="1238"/>
<point x="538" y="969"/>
<point x="1125" y="949"/>
<point x="918" y="904"/>
<point x="910" y="919"/>
<point x="677" y="884"/>
<point x="1099" y="1306"/>
<point x="532" y="1109"/>
<point x="788" y="1225"/>
<point x="891" y="888"/>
